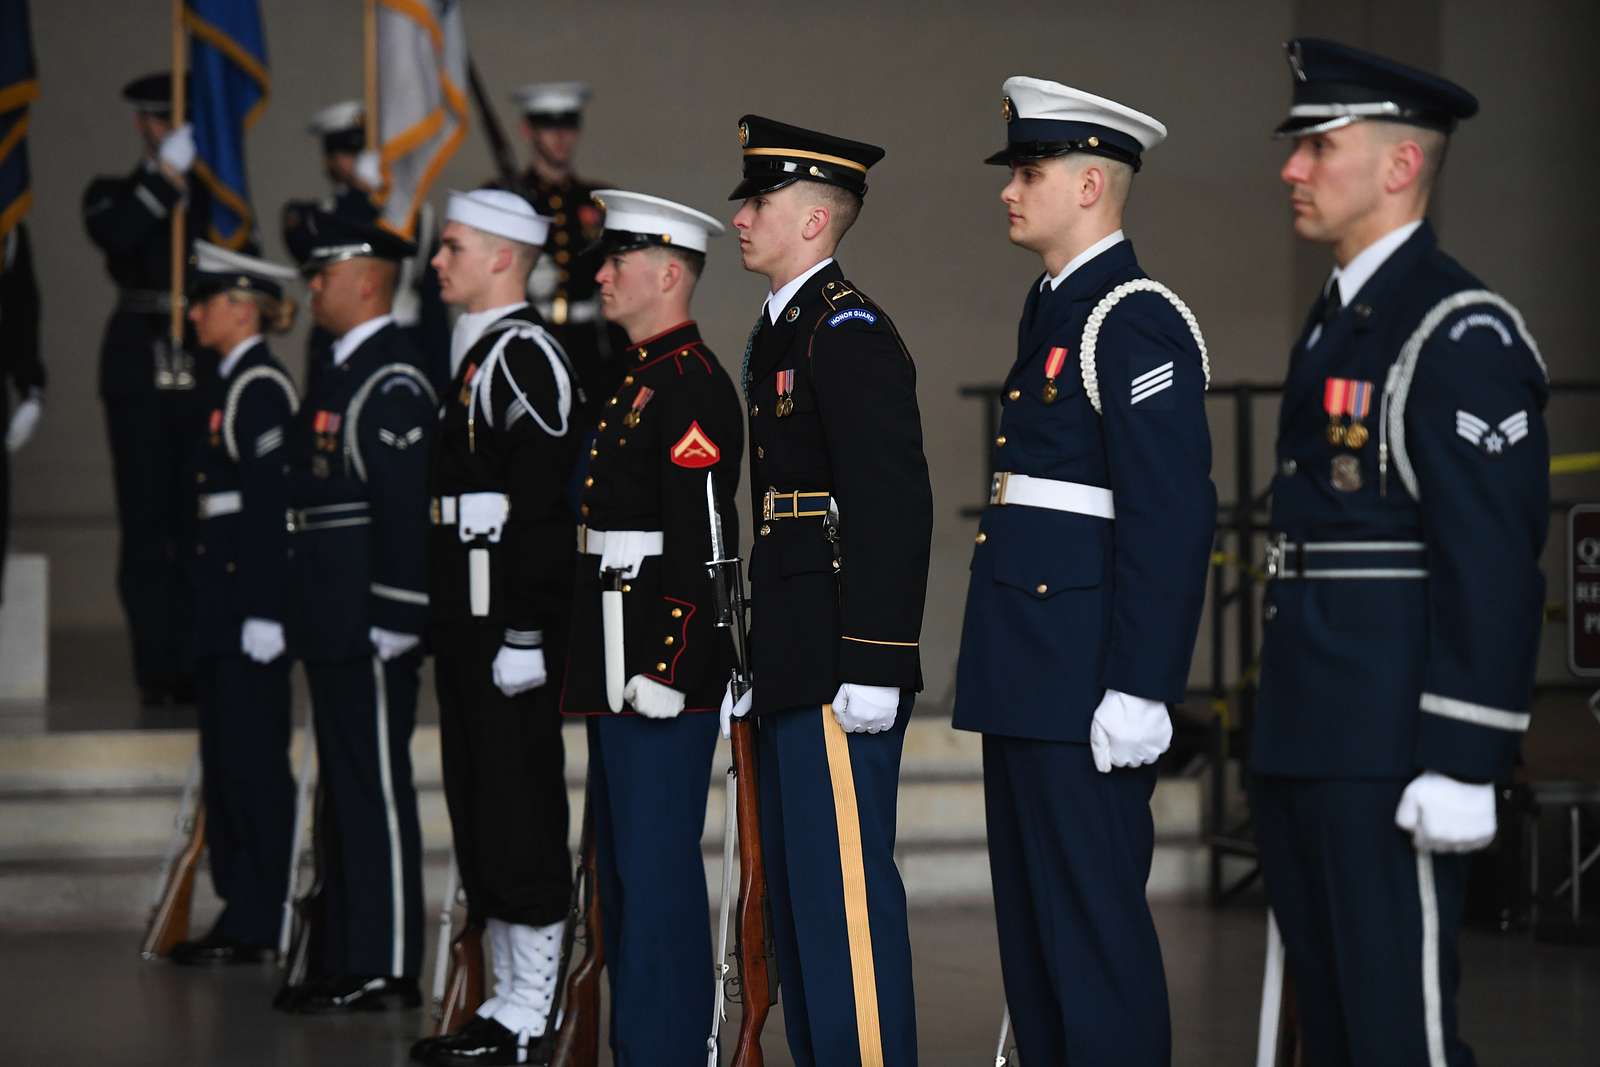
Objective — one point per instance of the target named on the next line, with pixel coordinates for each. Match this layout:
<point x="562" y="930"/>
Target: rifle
<point x="753" y="946"/>
<point x="297" y="840"/>
<point x="174" y="895"/>
<point x="456" y="995"/>
<point x="577" y="1035"/>
<point x="307" y="914"/>
<point x="505" y="161"/>
<point x="1278" y="1037"/>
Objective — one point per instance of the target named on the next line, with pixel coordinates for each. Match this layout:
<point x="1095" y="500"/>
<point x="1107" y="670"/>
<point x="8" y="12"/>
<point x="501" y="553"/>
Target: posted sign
<point x="1583" y="590"/>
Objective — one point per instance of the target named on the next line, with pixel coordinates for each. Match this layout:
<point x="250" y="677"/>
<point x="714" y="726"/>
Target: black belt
<point x="1312" y="560"/>
<point x="329" y="516"/>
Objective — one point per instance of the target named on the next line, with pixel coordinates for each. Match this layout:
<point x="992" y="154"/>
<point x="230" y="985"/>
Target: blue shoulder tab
<point x="868" y="317"/>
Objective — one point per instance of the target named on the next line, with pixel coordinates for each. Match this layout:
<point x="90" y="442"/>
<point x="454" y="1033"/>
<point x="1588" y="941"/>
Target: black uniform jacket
<point x="673" y="419"/>
<point x="832" y="399"/>
<point x="19" y="319"/>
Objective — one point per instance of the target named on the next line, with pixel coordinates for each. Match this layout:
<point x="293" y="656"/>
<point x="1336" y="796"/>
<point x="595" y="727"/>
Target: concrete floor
<point x="87" y="999"/>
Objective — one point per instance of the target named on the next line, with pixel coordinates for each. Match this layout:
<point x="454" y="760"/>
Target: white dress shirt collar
<point x="236" y="353"/>
<point x="470" y="326"/>
<point x="1110" y="239"/>
<point x="345" y="346"/>
<point x="779" y="300"/>
<point x="1353" y="275"/>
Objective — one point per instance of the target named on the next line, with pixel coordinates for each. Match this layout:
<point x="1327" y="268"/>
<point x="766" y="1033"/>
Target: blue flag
<point x="19" y="87"/>
<point x="228" y="84"/>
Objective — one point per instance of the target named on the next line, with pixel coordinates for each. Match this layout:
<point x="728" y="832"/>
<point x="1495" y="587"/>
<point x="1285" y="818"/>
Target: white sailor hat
<point x="635" y="220"/>
<point x="214" y="269"/>
<point x="553" y="103"/>
<point x="499" y="212"/>
<point x="341" y="126"/>
<point x="1045" y="119"/>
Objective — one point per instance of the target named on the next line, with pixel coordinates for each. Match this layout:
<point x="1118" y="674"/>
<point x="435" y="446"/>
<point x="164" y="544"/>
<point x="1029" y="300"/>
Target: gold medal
<point x="1050" y="392"/>
<point x="1356" y="435"/>
<point x="785" y="406"/>
<point x="1346" y="474"/>
<point x="1336" y="432"/>
<point x="631" y="419"/>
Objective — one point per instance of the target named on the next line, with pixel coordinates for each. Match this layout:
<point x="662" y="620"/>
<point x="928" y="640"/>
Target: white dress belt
<point x="214" y="505"/>
<point x="1023" y="489"/>
<point x="593" y="542"/>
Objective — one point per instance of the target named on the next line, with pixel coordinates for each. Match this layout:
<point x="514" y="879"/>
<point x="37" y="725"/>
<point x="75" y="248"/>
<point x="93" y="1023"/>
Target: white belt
<point x="443" y="512"/>
<point x="213" y="505"/>
<point x="580" y="311"/>
<point x="1008" y="488"/>
<point x="593" y="542"/>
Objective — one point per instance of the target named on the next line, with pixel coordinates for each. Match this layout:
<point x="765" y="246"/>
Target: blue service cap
<point x="1335" y="85"/>
<point x="327" y="238"/>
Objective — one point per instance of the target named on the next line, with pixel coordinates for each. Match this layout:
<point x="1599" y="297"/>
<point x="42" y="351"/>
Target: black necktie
<point x="1331" y="304"/>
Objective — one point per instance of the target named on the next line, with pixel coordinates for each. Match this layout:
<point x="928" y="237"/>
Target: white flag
<point x="422" y="103"/>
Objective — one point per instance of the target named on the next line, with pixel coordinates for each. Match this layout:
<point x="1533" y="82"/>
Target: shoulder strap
<point x="1397" y="388"/>
<point x="352" y="440"/>
<point x="236" y="393"/>
<point x="1097" y="318"/>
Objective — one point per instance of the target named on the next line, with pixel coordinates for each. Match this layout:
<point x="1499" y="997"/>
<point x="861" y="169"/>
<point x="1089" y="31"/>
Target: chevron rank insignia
<point x="1491" y="440"/>
<point x="695" y="449"/>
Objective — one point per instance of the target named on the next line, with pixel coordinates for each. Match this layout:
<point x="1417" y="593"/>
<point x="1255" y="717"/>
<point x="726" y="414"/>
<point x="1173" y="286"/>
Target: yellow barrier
<point x="1575" y="463"/>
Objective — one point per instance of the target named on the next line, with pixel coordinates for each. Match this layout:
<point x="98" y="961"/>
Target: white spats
<point x="535" y="958"/>
<point x="498" y="932"/>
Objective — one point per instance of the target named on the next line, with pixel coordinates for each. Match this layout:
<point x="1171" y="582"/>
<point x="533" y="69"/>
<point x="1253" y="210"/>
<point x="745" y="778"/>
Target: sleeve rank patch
<point x="695" y="449"/>
<point x="854" y="313"/>
<point x="1491" y="440"/>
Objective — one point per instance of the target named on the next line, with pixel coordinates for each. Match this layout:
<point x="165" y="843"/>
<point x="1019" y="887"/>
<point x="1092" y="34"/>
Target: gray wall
<point x="1209" y="216"/>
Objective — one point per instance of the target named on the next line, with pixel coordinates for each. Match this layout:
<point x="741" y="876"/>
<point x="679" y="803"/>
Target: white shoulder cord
<point x="1397" y="389"/>
<point x="496" y="361"/>
<point x="1097" y="317"/>
<point x="236" y="392"/>
<point x="352" y="445"/>
<point x="719" y="969"/>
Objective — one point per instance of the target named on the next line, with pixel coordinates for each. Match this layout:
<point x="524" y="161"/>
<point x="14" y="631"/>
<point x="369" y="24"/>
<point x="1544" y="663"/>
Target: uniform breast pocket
<point x="1044" y="575"/>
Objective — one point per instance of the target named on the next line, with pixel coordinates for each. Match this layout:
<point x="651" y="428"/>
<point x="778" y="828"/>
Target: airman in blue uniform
<point x="1404" y="608"/>
<point x="1086" y="588"/>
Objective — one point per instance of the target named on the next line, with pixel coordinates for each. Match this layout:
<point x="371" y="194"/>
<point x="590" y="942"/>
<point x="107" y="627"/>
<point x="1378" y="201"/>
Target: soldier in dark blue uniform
<point x="843" y="514"/>
<point x="650" y="675"/>
<point x="239" y="570"/>
<point x="358" y="607"/>
<point x="1403" y="614"/>
<point x="149" y="390"/>
<point x="20" y="365"/>
<point x="1087" y="585"/>
<point x="500" y="579"/>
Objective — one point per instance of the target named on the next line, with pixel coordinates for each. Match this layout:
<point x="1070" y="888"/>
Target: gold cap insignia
<point x="1094" y="142"/>
<point x="598" y="202"/>
<point x="792" y="314"/>
<point x="816" y="171"/>
<point x="744" y="134"/>
<point x="1007" y="110"/>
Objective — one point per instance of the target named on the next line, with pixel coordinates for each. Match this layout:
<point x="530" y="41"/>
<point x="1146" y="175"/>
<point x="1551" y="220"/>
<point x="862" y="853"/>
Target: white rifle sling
<point x="1097" y="318"/>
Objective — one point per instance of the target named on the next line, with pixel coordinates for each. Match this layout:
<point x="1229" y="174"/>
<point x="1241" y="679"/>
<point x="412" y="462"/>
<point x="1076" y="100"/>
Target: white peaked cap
<point x="551" y="98"/>
<point x="214" y="259"/>
<point x="500" y="213"/>
<point x="1035" y="98"/>
<point x="681" y="226"/>
<point x="345" y="115"/>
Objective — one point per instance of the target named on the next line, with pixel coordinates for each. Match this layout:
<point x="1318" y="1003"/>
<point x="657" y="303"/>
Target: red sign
<point x="1583" y="590"/>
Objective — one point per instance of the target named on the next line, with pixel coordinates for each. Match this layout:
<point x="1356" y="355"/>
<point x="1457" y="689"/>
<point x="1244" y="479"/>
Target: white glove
<point x="24" y="421"/>
<point x="866" y="709"/>
<point x="177" y="149"/>
<point x="624" y="551"/>
<point x="731" y="711"/>
<point x="1446" y="815"/>
<point x="652" y="699"/>
<point x="367" y="170"/>
<point x="517" y="670"/>
<point x="262" y="640"/>
<point x="390" y="644"/>
<point x="1128" y="731"/>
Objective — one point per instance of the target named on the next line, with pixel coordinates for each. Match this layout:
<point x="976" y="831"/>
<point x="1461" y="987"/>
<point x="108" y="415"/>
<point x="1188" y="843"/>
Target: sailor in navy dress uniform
<point x="1087" y="585"/>
<point x="650" y="676"/>
<point x="843" y="513"/>
<point x="358" y="606"/>
<point x="21" y="369"/>
<point x="240" y="571"/>
<point x="1404" y="610"/>
<point x="152" y="409"/>
<point x="500" y="578"/>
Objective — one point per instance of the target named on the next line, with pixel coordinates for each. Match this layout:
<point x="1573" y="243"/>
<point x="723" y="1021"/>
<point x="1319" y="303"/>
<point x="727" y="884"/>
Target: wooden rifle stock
<point x="169" y="921"/>
<point x="757" y="992"/>
<point x="463" y="989"/>
<point x="577" y="1042"/>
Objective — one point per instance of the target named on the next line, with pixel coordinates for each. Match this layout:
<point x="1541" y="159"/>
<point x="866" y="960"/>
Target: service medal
<point x="1346" y="475"/>
<point x="1356" y="435"/>
<point x="785" y="405"/>
<point x="1350" y="397"/>
<point x="1052" y="370"/>
<point x="640" y="399"/>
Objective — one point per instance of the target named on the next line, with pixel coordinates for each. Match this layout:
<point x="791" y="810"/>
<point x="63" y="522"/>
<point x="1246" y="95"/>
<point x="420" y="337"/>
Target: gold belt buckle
<point x="997" y="487"/>
<point x="583" y="540"/>
<point x="436" y="513"/>
<point x="767" y="501"/>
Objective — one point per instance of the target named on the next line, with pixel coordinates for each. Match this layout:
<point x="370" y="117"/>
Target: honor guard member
<point x="153" y="413"/>
<point x="358" y="606"/>
<point x="650" y="674"/>
<point x="1086" y="588"/>
<point x="500" y="581"/>
<point x="240" y="574"/>
<point x="562" y="285"/>
<point x="1405" y="600"/>
<point x="843" y="514"/>
<point x="20" y="365"/>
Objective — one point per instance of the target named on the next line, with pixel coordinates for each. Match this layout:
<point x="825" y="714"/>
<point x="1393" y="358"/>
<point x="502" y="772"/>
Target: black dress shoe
<point x="486" y="1042"/>
<point x="215" y="950"/>
<point x="348" y="994"/>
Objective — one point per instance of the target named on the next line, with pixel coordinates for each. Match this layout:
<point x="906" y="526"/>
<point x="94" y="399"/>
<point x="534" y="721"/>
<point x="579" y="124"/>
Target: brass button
<point x="677" y="613"/>
<point x="661" y="667"/>
<point x="626" y="588"/>
<point x="1015" y="394"/>
<point x="621" y="441"/>
<point x="555" y="202"/>
<point x="761" y="453"/>
<point x="561" y="237"/>
<point x="602" y="425"/>
<point x="981" y="538"/>
<point x="1000" y="442"/>
<point x="627" y="380"/>
<point x="593" y="452"/>
<point x="756" y="410"/>
<point x="766" y="528"/>
<point x="1041" y="589"/>
<point x="583" y="509"/>
<point x="559" y="217"/>
<point x="589" y="481"/>
<point x="670" y="640"/>
<point x="644" y="353"/>
<point x="563" y="256"/>
<point x="613" y="403"/>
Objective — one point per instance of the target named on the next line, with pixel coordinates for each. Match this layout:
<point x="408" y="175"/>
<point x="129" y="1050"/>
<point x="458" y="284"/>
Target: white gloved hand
<point x="177" y="149"/>
<point x="624" y="551"/>
<point x="262" y="640"/>
<point x="390" y="644"/>
<point x="866" y="709"/>
<point x="1128" y="731"/>
<point x="24" y="421"/>
<point x="368" y="171"/>
<point x="517" y="670"/>
<point x="1446" y="815"/>
<point x="731" y="711"/>
<point x="652" y="699"/>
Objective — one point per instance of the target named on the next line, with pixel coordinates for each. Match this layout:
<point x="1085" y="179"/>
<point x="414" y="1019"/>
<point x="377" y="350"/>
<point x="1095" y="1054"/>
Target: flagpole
<point x="369" y="24"/>
<point x="180" y="70"/>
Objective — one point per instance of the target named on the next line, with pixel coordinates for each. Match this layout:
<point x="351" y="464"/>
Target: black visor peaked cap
<point x="326" y="238"/>
<point x="151" y="93"/>
<point x="1335" y="85"/>
<point x="777" y="154"/>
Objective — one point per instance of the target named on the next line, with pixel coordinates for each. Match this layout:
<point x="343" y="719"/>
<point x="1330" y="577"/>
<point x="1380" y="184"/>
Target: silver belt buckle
<point x="997" y="487"/>
<point x="1277" y="556"/>
<point x="294" y="520"/>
